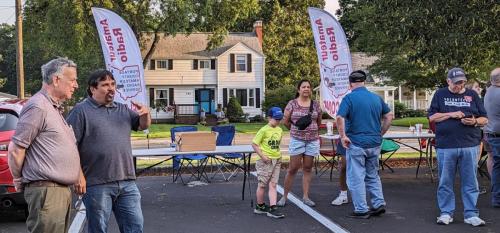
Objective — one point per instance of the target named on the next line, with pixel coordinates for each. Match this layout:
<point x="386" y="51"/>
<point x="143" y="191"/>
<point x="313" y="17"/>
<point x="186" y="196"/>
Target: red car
<point x="9" y="115"/>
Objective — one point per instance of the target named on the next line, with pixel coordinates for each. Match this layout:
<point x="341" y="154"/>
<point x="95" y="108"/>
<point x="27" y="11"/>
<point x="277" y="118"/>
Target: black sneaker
<point x="274" y="213"/>
<point x="377" y="211"/>
<point x="365" y="215"/>
<point x="261" y="209"/>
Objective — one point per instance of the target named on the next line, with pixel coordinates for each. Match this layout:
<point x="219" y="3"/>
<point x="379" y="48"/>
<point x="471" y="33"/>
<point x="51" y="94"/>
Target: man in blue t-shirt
<point x="458" y="113"/>
<point x="364" y="111"/>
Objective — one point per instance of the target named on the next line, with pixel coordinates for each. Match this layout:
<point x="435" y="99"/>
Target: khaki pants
<point x="49" y="209"/>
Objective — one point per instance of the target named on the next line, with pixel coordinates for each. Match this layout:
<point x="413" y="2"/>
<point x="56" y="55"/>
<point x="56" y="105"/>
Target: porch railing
<point x="421" y="104"/>
<point x="187" y="109"/>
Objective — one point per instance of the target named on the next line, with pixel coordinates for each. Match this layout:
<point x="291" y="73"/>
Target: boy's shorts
<point x="268" y="172"/>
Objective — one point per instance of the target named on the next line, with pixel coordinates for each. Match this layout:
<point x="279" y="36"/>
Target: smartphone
<point x="468" y="115"/>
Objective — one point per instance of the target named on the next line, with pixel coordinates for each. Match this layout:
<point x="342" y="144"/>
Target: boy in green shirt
<point x="267" y="145"/>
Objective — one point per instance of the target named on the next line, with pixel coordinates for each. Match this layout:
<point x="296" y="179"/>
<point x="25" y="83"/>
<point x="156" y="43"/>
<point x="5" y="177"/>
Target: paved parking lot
<point x="217" y="207"/>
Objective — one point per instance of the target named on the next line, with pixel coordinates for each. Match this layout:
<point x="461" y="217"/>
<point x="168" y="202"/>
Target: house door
<point x="205" y="98"/>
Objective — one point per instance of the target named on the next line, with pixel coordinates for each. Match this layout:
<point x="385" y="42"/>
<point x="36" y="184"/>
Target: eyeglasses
<point x="461" y="82"/>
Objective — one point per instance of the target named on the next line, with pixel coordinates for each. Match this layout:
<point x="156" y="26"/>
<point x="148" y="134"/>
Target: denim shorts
<point x="298" y="147"/>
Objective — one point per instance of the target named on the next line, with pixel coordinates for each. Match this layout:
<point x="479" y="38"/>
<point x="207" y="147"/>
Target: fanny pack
<point x="303" y="122"/>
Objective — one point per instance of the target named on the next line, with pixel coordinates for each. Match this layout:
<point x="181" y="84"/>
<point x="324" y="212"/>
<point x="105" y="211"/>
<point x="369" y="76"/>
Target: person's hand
<point x="140" y="109"/>
<point x="81" y="185"/>
<point x="345" y="141"/>
<point x="18" y="184"/>
<point x="457" y="114"/>
<point x="265" y="159"/>
<point x="469" y="121"/>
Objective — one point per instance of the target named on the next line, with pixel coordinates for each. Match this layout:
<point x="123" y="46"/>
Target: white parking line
<point x="328" y="223"/>
<point x="79" y="220"/>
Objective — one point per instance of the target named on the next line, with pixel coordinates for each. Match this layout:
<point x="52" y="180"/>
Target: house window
<point x="204" y="64"/>
<point x="246" y="97"/>
<point x="241" y="63"/>
<point x="251" y="97"/>
<point x="161" y="97"/>
<point x="162" y="64"/>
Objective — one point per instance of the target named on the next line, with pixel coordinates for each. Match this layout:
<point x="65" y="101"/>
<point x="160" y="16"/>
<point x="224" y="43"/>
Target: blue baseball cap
<point x="457" y="74"/>
<point x="275" y="113"/>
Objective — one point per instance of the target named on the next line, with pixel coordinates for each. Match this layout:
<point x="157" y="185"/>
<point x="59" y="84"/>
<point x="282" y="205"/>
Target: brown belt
<point x="44" y="183"/>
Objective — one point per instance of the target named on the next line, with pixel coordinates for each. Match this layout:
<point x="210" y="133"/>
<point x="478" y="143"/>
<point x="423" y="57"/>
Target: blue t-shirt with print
<point x="451" y="133"/>
<point x="363" y="110"/>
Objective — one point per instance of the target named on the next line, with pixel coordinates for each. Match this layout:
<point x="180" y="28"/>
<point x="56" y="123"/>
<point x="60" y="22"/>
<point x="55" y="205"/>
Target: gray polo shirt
<point x="103" y="139"/>
<point x="492" y="106"/>
<point x="51" y="152"/>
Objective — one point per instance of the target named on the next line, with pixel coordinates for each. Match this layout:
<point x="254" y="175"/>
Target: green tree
<point x="279" y="97"/>
<point x="8" y="59"/>
<point x="289" y="43"/>
<point x="418" y="41"/>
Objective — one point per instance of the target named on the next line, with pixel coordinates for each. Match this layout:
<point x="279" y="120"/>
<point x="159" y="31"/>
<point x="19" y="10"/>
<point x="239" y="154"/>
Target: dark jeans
<point x="495" y="176"/>
<point x="121" y="197"/>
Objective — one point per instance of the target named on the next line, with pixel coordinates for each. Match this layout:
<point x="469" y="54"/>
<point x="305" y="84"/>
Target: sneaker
<point x="365" y="215"/>
<point x="281" y="202"/>
<point x="482" y="190"/>
<point x="261" y="209"/>
<point x="308" y="202"/>
<point x="474" y="221"/>
<point x="377" y="211"/>
<point x="341" y="199"/>
<point x="274" y="213"/>
<point x="444" y="219"/>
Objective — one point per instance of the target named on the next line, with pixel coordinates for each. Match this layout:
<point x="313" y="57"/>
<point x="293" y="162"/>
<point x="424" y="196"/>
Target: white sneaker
<point x="444" y="219"/>
<point x="474" y="221"/>
<point x="341" y="199"/>
<point x="281" y="202"/>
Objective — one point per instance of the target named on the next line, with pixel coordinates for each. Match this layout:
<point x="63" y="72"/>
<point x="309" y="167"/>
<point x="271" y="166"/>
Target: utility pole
<point x="19" y="50"/>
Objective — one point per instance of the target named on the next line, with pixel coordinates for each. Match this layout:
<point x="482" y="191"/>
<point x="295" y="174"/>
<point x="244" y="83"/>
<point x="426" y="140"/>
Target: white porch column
<point x="400" y="93"/>
<point x="414" y="99"/>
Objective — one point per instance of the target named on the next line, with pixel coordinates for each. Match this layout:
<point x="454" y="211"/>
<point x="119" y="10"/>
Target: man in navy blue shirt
<point x="364" y="111"/>
<point x="458" y="113"/>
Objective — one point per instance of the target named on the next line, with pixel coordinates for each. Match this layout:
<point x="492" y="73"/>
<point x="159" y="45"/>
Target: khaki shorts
<point x="269" y="172"/>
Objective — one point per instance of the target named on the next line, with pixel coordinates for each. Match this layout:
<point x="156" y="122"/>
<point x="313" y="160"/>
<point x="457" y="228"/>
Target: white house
<point x="183" y="73"/>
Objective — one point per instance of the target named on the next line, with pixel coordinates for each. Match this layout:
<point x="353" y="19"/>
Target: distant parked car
<point x="9" y="116"/>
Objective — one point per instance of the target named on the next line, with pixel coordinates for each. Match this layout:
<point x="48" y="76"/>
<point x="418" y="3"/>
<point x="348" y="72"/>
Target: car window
<point x="8" y="121"/>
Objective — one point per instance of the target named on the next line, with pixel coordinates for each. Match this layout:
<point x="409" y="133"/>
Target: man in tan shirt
<point x="43" y="156"/>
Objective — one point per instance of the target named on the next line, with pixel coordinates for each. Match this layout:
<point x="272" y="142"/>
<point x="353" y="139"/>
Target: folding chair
<point x="327" y="151"/>
<point x="482" y="163"/>
<point x="225" y="162"/>
<point x="388" y="147"/>
<point x="194" y="164"/>
<point x="428" y="145"/>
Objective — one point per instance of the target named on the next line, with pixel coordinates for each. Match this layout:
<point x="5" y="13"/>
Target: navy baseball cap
<point x="457" y="74"/>
<point x="275" y="113"/>
<point x="357" y="76"/>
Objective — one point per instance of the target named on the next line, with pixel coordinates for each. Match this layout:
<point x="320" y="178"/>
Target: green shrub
<point x="399" y="109"/>
<point x="234" y="111"/>
<point x="279" y="97"/>
<point x="257" y="118"/>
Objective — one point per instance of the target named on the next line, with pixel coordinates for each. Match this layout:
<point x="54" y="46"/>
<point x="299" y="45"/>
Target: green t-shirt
<point x="269" y="139"/>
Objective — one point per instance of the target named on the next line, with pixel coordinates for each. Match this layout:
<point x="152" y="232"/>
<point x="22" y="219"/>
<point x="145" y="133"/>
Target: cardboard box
<point x="196" y="141"/>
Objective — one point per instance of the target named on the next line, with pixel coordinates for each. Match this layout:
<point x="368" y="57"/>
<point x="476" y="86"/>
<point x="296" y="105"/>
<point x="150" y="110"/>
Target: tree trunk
<point x="156" y="39"/>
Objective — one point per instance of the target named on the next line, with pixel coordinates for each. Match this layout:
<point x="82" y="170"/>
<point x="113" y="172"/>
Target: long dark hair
<point x="300" y="84"/>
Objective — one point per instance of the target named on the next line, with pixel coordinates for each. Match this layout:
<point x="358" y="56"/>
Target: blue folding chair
<point x="226" y="162"/>
<point x="194" y="164"/>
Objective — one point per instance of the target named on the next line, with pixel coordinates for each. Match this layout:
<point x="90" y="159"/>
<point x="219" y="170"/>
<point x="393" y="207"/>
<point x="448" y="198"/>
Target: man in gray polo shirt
<point x="102" y="128"/>
<point x="43" y="156"/>
<point x="492" y="106"/>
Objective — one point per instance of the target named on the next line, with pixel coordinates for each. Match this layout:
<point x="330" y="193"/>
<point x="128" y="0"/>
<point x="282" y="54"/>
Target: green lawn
<point x="163" y="130"/>
<point x="406" y="122"/>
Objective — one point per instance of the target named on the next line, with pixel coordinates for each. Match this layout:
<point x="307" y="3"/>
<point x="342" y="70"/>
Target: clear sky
<point x="7" y="9"/>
